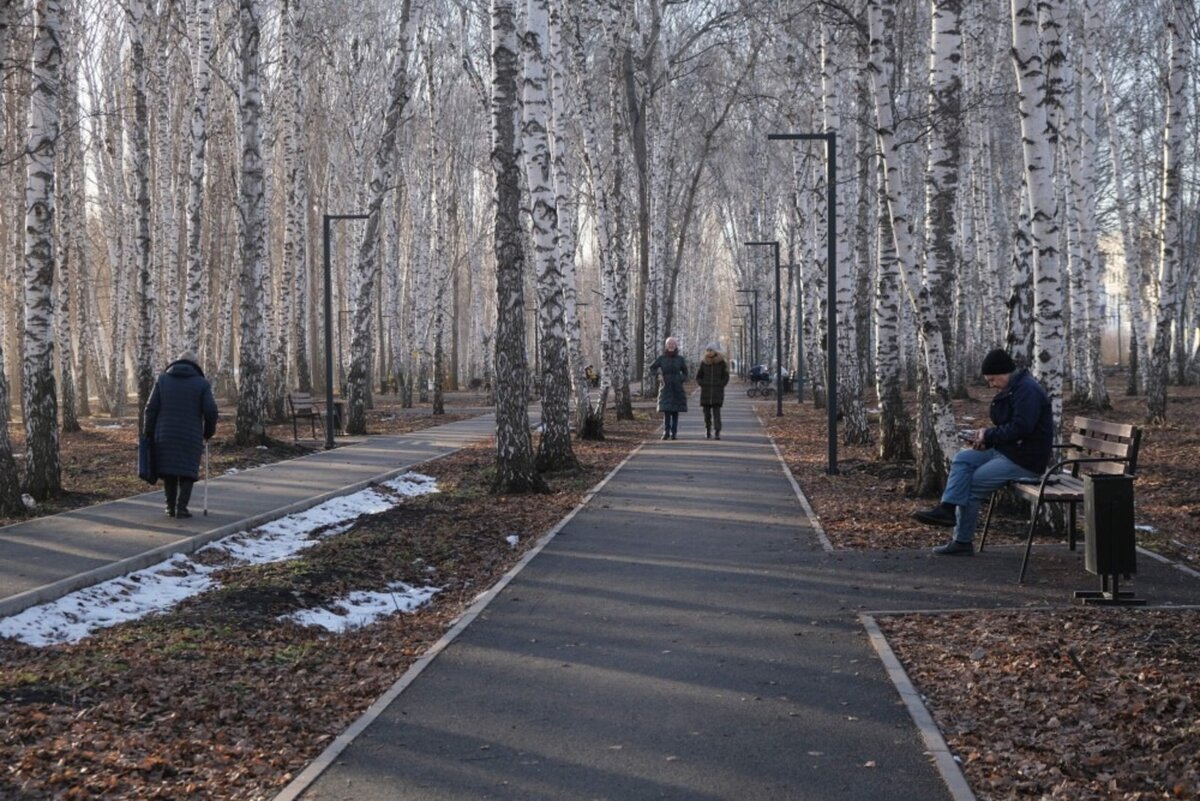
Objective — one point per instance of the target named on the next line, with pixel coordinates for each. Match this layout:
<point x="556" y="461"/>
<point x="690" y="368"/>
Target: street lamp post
<point x="778" y="329"/>
<point x="753" y="324"/>
<point x="329" y="407"/>
<point x="799" y="335"/>
<point x="830" y="140"/>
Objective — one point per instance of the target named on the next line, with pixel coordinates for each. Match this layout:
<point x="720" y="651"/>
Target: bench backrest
<point x="1094" y="439"/>
<point x="301" y="403"/>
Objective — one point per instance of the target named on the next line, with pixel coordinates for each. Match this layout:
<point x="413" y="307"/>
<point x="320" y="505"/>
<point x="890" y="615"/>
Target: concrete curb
<point x="327" y="757"/>
<point x="787" y="471"/>
<point x="947" y="766"/>
<point x="55" y="590"/>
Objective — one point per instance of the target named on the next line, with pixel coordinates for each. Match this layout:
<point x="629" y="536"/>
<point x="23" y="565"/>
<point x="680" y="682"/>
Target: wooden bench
<point x="1094" y="446"/>
<point x="302" y="405"/>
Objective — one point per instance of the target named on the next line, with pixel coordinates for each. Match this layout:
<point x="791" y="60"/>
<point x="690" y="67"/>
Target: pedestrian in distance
<point x="712" y="377"/>
<point x="672" y="399"/>
<point x="1016" y="447"/>
<point x="180" y="415"/>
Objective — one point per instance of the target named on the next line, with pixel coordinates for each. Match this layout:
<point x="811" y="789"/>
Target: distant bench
<point x="301" y="405"/>
<point x="1095" y="446"/>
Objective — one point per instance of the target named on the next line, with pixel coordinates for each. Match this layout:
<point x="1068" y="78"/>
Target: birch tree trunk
<point x="42" y="465"/>
<point x="250" y="427"/>
<point x="1038" y="139"/>
<point x="382" y="172"/>
<point x="515" y="472"/>
<point x="1171" y="227"/>
<point x="934" y="451"/>
<point x="554" y="449"/>
<point x="855" y="429"/>
<point x="196" y="284"/>
<point x="942" y="173"/>
<point x="295" y="235"/>
<point x="10" y="482"/>
<point x="895" y="427"/>
<point x="71" y="223"/>
<point x="147" y="300"/>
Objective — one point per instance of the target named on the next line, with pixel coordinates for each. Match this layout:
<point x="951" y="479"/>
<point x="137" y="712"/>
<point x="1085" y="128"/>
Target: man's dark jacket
<point x="180" y="415"/>
<point x="1024" y="425"/>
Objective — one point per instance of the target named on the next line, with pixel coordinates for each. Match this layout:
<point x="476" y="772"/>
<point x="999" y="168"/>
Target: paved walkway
<point x="683" y="636"/>
<point x="47" y="557"/>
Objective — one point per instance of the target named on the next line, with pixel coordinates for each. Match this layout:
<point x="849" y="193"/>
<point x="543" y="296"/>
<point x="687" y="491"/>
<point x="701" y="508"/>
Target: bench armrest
<point x="1057" y="466"/>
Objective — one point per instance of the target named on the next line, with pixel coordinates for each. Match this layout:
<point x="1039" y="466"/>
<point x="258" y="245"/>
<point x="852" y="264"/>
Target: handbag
<point x="147" y="470"/>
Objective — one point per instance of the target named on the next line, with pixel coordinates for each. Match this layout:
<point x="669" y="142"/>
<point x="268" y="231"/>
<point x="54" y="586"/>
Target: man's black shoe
<point x="955" y="548"/>
<point x="937" y="516"/>
<point x="182" y="512"/>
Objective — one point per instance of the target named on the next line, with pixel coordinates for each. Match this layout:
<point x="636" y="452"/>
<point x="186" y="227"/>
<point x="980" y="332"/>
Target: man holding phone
<point x="1017" y="446"/>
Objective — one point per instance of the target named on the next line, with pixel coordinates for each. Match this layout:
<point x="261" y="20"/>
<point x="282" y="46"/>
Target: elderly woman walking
<point x="712" y="377"/>
<point x="671" y="398"/>
<point x="180" y="415"/>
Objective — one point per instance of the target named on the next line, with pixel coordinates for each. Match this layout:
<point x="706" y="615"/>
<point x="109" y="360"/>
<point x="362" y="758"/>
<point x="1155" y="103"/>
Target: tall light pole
<point x="753" y="325"/>
<point x="778" y="329"/>
<point x="329" y="407"/>
<point x="799" y="334"/>
<point x="830" y="140"/>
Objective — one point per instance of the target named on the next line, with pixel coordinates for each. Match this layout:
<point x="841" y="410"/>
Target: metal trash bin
<point x="1110" y="546"/>
<point x="1108" y="525"/>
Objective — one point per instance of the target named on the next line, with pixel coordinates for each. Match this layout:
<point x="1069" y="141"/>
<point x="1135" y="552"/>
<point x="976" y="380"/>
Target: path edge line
<point x="317" y="766"/>
<point x="813" y="520"/>
<point x="949" y="769"/>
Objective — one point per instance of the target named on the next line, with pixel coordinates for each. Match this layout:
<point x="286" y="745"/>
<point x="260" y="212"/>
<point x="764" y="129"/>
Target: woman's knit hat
<point x="672" y="343"/>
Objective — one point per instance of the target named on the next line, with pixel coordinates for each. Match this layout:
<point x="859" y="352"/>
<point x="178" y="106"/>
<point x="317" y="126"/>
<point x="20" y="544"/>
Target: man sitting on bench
<point x="1016" y="447"/>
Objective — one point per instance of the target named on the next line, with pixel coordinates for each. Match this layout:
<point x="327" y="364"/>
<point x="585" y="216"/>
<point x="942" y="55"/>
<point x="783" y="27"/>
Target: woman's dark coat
<point x="671" y="397"/>
<point x="180" y="415"/>
<point x="712" y="377"/>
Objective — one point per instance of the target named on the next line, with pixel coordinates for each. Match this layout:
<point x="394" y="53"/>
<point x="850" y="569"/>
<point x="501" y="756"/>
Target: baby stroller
<point x="760" y="382"/>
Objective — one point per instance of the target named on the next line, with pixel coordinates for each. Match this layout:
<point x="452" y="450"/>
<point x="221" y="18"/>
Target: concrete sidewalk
<point x="47" y="557"/>
<point x="684" y="636"/>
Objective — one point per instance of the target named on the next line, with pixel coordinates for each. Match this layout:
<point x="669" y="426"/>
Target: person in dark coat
<point x="671" y="397"/>
<point x="180" y="415"/>
<point x="712" y="377"/>
<point x="1016" y="447"/>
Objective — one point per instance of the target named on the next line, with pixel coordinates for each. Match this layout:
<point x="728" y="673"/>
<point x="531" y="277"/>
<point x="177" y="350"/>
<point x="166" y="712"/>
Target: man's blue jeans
<point x="975" y="475"/>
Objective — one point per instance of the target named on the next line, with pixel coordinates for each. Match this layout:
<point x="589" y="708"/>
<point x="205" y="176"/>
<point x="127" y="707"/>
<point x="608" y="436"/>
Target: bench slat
<point x="1091" y="427"/>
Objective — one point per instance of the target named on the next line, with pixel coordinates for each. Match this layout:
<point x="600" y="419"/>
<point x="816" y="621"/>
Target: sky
<point x="159" y="588"/>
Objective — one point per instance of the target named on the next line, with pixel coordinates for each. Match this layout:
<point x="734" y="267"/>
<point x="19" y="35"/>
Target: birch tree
<point x="515" y="471"/>
<point x="194" y="296"/>
<point x="42" y="466"/>
<point x="554" y="448"/>
<point x="1038" y="136"/>
<point x="382" y="172"/>
<point x="1178" y="23"/>
<point x="250" y="426"/>
<point x="146" y="294"/>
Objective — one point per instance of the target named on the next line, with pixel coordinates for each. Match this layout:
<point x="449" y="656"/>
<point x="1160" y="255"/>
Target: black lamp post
<point x="778" y="329"/>
<point x="329" y="408"/>
<point x="753" y="324"/>
<point x="830" y="140"/>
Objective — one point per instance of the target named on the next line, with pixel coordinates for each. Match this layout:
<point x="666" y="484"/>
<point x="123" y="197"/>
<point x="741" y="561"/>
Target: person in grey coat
<point x="712" y="377"/>
<point x="672" y="399"/>
<point x="180" y="415"/>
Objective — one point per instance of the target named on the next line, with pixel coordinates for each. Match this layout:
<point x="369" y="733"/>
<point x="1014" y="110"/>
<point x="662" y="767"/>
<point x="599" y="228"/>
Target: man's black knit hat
<point x="998" y="362"/>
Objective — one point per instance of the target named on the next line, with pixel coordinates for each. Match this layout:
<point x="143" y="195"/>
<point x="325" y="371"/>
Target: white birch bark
<point x="70" y="222"/>
<point x="1037" y="144"/>
<point x="565" y="203"/>
<point x="367" y="264"/>
<point x="942" y="173"/>
<point x="932" y="466"/>
<point x="147" y="299"/>
<point x="10" y="484"/>
<point x="250" y="425"/>
<point x="195" y="295"/>
<point x="1178" y="16"/>
<point x="554" y="448"/>
<point x="515" y="472"/>
<point x="855" y="429"/>
<point x="295" y="235"/>
<point x="42" y="465"/>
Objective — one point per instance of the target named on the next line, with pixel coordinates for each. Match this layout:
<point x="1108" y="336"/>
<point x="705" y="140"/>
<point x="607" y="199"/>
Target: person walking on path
<point x="180" y="415"/>
<point x="712" y="377"/>
<point x="671" y="398"/>
<point x="1017" y="446"/>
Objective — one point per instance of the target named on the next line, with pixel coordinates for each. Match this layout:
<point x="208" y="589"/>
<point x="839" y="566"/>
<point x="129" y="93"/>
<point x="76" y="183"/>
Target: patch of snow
<point x="512" y="540"/>
<point x="362" y="608"/>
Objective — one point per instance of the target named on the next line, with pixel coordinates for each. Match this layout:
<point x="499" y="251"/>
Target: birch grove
<point x="552" y="186"/>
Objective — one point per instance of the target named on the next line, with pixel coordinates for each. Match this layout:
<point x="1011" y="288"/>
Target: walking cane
<point x="206" y="478"/>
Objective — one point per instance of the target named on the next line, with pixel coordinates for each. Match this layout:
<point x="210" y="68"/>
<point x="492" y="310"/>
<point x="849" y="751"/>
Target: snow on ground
<point x="363" y="608"/>
<point x="160" y="587"/>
